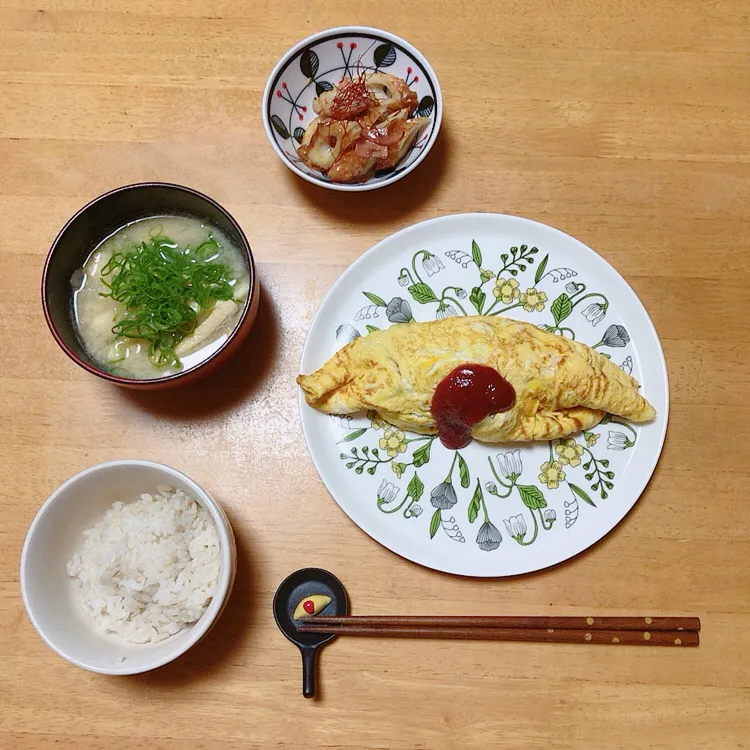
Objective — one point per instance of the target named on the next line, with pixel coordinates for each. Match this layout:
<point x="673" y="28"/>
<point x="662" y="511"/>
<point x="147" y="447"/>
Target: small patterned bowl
<point x="320" y="61"/>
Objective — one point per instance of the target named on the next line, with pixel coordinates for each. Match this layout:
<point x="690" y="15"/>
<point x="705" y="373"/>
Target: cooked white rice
<point x="149" y="568"/>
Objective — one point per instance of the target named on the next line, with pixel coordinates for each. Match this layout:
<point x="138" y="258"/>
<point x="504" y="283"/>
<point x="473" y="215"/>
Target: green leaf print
<point x="476" y="253"/>
<point x="422" y="455"/>
<point x="415" y="488"/>
<point x="477" y="298"/>
<point x="463" y="471"/>
<point x="353" y="435"/>
<point x="540" y="269"/>
<point x="379" y="301"/>
<point x="370" y="328"/>
<point x="476" y="503"/>
<point x="422" y="293"/>
<point x="561" y="308"/>
<point x="578" y="491"/>
<point x="532" y="496"/>
<point x="435" y="523"/>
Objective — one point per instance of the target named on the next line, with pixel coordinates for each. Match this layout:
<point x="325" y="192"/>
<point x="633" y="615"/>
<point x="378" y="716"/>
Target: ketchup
<point x="309" y="607"/>
<point x="466" y="396"/>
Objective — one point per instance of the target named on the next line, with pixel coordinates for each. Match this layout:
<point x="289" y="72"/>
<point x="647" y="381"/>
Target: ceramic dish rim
<point x="224" y="583"/>
<point x="292" y="52"/>
<point x="627" y="289"/>
<point x="253" y="290"/>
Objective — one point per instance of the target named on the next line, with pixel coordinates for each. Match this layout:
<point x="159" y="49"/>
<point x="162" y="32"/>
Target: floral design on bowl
<point x="316" y="64"/>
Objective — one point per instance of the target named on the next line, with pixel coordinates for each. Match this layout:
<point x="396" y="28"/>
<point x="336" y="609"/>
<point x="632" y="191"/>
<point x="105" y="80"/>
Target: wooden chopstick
<point x="542" y="635"/>
<point x="640" y="624"/>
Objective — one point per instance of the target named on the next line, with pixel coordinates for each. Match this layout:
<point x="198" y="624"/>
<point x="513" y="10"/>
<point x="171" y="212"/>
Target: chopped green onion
<point x="164" y="287"/>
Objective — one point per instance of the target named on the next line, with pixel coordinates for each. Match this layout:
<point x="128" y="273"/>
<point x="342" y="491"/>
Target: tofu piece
<point x="207" y="330"/>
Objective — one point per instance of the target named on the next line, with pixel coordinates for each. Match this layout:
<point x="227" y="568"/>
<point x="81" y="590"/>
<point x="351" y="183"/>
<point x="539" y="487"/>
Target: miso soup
<point x="158" y="296"/>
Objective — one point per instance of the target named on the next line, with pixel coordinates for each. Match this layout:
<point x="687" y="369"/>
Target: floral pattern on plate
<point x="554" y="496"/>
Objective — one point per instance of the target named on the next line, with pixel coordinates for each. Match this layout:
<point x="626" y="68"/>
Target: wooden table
<point x="624" y="124"/>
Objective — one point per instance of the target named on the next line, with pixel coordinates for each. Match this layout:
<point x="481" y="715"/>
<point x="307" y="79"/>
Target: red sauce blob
<point x="309" y="606"/>
<point x="466" y="396"/>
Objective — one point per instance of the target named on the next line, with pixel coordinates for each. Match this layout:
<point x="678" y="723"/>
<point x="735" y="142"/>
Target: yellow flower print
<point x="393" y="442"/>
<point x="398" y="468"/>
<point x="591" y="438"/>
<point x="569" y="452"/>
<point x="552" y="474"/>
<point x="485" y="274"/>
<point x="377" y="422"/>
<point x="533" y="300"/>
<point x="506" y="290"/>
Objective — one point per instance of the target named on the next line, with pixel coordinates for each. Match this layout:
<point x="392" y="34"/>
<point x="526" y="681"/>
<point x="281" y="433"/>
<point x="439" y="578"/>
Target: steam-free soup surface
<point x="181" y="289"/>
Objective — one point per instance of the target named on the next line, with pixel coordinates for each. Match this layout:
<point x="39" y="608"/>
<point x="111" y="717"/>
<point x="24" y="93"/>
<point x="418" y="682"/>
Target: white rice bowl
<point x="148" y="569"/>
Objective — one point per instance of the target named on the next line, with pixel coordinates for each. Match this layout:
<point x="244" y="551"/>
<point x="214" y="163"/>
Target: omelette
<point x="561" y="386"/>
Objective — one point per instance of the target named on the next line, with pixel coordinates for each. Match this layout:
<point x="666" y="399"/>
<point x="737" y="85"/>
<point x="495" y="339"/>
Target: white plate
<point x="409" y="274"/>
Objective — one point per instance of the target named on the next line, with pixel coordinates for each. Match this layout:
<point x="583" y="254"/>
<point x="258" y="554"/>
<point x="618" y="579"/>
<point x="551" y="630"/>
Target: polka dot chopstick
<point x="642" y="631"/>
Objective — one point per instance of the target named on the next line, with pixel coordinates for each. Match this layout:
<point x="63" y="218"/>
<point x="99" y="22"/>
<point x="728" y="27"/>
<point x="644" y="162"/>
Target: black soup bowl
<point x="98" y="220"/>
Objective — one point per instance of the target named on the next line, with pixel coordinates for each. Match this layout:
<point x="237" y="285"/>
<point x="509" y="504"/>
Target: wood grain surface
<point x="625" y="124"/>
